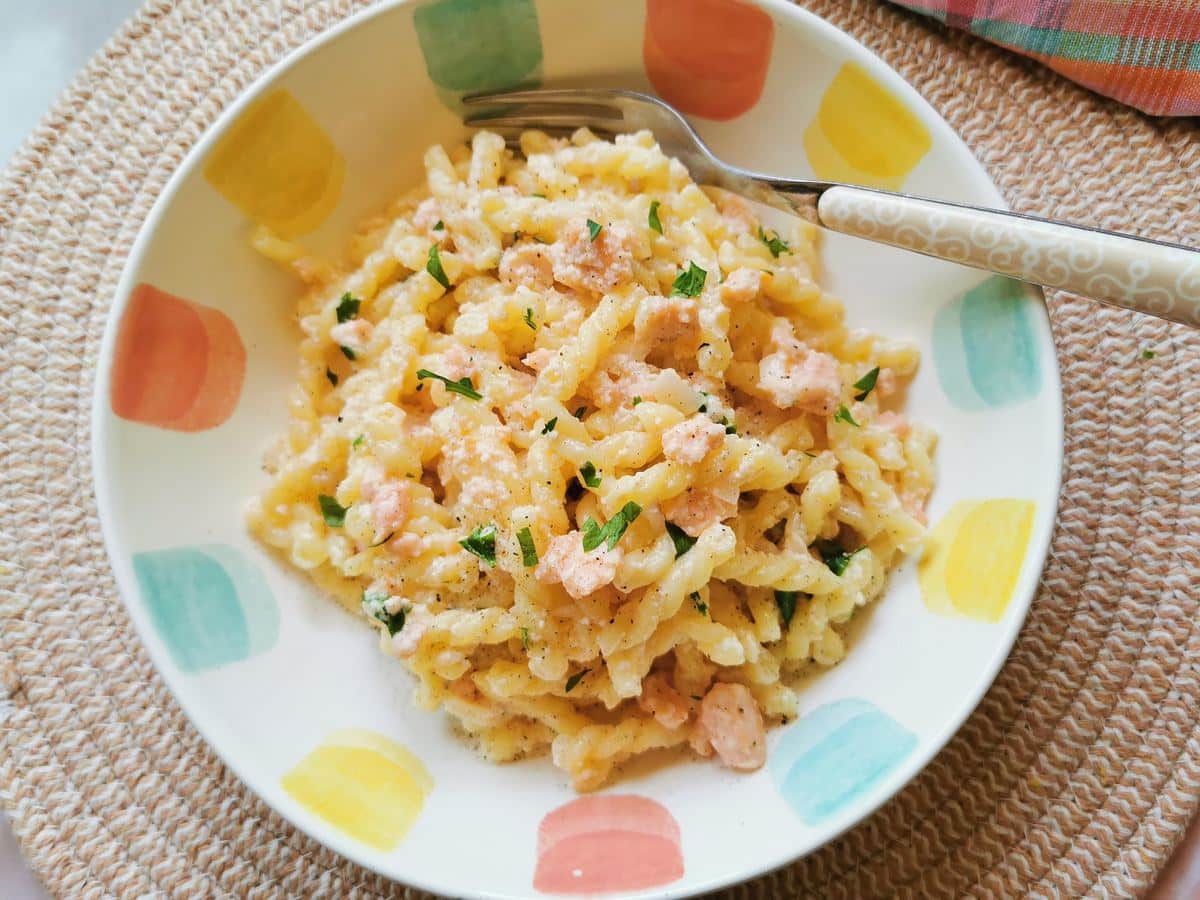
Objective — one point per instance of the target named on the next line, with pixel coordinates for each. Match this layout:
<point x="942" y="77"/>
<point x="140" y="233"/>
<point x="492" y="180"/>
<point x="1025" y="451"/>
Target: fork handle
<point x="1147" y="276"/>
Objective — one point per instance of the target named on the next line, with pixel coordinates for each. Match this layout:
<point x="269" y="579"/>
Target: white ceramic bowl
<point x="292" y="692"/>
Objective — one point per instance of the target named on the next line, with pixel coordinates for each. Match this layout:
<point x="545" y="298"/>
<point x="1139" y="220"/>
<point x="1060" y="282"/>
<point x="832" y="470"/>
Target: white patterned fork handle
<point x="1148" y="276"/>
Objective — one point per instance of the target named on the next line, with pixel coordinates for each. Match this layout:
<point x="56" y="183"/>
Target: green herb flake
<point x="482" y="542"/>
<point x="463" y="386"/>
<point x="580" y="413"/>
<point x="347" y="308"/>
<point x="701" y="606"/>
<point x="549" y="426"/>
<point x="774" y="244"/>
<point x="689" y="282"/>
<point x="525" y="639"/>
<point x="575" y="679"/>
<point x="529" y="554"/>
<point x="358" y="441"/>
<point x="835" y="557"/>
<point x="331" y="375"/>
<point x="653" y="217"/>
<point x="440" y="226"/>
<point x="593" y="230"/>
<point x="843" y="415"/>
<point x="786" y="601"/>
<point x="637" y="400"/>
<point x="866" y="384"/>
<point x="332" y="512"/>
<point x="595" y="535"/>
<point x="347" y="352"/>
<point x="1148" y="354"/>
<point x="528" y="317"/>
<point x="681" y="539"/>
<point x="588" y="471"/>
<point x="434" y="267"/>
<point x="375" y="606"/>
<point x="539" y="196"/>
<point x="702" y="408"/>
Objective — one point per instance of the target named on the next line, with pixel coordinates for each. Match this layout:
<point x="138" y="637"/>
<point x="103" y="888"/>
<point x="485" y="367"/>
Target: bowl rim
<point x="844" y="45"/>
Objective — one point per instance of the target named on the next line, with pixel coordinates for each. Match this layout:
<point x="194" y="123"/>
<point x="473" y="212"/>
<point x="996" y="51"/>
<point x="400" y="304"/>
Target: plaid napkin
<point x="1142" y="52"/>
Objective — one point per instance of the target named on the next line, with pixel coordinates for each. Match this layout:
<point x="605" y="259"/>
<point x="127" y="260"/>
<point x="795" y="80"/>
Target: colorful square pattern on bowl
<point x="363" y="784"/>
<point x="209" y="604"/>
<point x="613" y="842"/>
<point x="177" y="364"/>
<point x="708" y="57"/>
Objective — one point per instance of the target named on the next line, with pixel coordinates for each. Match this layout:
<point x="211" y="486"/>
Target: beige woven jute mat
<point x="1076" y="775"/>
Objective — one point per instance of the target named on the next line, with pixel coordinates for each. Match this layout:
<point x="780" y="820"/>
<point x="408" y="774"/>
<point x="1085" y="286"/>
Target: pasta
<point x="592" y="451"/>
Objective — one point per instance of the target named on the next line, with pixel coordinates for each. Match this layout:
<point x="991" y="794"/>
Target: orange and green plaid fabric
<point x="1142" y="52"/>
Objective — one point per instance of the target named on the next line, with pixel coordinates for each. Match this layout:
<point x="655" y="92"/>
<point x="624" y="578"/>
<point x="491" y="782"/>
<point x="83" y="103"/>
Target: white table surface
<point x="42" y="44"/>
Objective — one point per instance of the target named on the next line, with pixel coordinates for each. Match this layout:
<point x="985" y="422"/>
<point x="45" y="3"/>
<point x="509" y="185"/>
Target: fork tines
<point x="556" y="112"/>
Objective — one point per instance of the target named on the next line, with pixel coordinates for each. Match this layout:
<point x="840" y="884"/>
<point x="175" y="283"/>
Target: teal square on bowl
<point x="209" y="605"/>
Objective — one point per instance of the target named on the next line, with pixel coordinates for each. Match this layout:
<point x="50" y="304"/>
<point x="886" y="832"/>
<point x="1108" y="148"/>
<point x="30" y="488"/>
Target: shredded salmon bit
<point x="598" y="265"/>
<point x="731" y="723"/>
<point x="697" y="508"/>
<point x="742" y="286"/>
<point x="580" y="572"/>
<point x="797" y="375"/>
<point x="663" y="702"/>
<point x="527" y="263"/>
<point x="692" y="440"/>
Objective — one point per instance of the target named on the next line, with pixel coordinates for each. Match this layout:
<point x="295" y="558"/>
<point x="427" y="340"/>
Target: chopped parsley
<point x="835" y="557"/>
<point x="331" y="375"/>
<point x="1148" y="354"/>
<point x="653" y="217"/>
<point x="701" y="606"/>
<point x="462" y="386"/>
<point x="575" y="679"/>
<point x="580" y="413"/>
<point x="434" y="267"/>
<point x="702" y="408"/>
<point x="637" y="400"/>
<point x="595" y="535"/>
<point x="593" y="230"/>
<point x="539" y="196"/>
<point x="525" y="639"/>
<point x="730" y="428"/>
<point x="358" y="441"/>
<point x="528" y="550"/>
<point x="866" y="384"/>
<point x="774" y="244"/>
<point x="588" y="471"/>
<point x="528" y="317"/>
<point x="786" y="601"/>
<point x="375" y="606"/>
<point x="549" y="426"/>
<point x="347" y="308"/>
<point x="332" y="512"/>
<point x="843" y="415"/>
<point x="482" y="542"/>
<point x="689" y="282"/>
<point x="681" y="539"/>
<point x="440" y="226"/>
<point x="347" y="352"/>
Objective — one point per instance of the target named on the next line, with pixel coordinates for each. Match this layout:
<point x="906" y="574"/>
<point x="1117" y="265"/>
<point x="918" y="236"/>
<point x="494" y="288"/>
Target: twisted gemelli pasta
<point x="597" y="476"/>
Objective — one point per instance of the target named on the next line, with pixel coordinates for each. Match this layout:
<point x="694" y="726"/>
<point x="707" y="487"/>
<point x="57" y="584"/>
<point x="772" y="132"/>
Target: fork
<point x="1153" y="277"/>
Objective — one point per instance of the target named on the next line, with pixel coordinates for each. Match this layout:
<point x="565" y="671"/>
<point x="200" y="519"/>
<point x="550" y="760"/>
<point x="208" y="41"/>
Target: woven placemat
<point x="1076" y="775"/>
